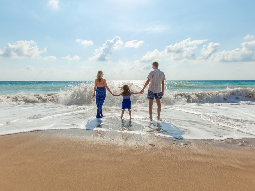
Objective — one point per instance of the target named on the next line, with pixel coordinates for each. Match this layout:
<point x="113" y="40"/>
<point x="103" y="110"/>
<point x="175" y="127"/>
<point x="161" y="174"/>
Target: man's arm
<point x="146" y="84"/>
<point x="163" y="86"/>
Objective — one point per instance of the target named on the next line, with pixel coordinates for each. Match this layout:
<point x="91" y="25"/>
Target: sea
<point x="202" y="109"/>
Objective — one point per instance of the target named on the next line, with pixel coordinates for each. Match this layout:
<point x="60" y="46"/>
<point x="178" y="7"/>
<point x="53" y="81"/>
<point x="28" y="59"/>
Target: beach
<point x="55" y="161"/>
<point x="50" y="138"/>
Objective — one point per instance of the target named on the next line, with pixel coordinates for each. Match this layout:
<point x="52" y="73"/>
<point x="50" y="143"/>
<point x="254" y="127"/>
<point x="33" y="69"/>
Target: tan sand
<point x="36" y="161"/>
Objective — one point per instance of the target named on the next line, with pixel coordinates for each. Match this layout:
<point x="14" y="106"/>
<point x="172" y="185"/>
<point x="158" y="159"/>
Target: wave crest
<point x="83" y="95"/>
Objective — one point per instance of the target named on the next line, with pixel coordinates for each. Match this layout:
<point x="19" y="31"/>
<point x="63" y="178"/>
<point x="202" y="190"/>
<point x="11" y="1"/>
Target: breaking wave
<point x="83" y="95"/>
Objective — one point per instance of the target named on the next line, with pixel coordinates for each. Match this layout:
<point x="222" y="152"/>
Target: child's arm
<point x="116" y="94"/>
<point x="136" y="93"/>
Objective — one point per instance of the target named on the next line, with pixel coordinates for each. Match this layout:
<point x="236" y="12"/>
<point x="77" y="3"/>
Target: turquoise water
<point x="38" y="87"/>
<point x="208" y="85"/>
<point x="45" y="87"/>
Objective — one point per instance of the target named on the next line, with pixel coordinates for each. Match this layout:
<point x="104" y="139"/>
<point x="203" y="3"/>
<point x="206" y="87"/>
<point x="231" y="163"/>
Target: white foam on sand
<point x="216" y="115"/>
<point x="186" y="121"/>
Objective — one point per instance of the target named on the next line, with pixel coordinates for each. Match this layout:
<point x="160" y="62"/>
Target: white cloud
<point x="248" y="46"/>
<point x="21" y="49"/>
<point x="184" y="49"/>
<point x="209" y="50"/>
<point x="50" y="58"/>
<point x="104" y="52"/>
<point x="134" y="44"/>
<point x="84" y="42"/>
<point x="246" y="53"/>
<point x="151" y="56"/>
<point x="53" y="4"/>
<point x="147" y="67"/>
<point x="30" y="68"/>
<point x="248" y="37"/>
<point x="74" y="58"/>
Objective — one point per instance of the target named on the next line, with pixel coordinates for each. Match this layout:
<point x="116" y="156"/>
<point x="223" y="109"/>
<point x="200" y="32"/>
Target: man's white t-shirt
<point x="156" y="77"/>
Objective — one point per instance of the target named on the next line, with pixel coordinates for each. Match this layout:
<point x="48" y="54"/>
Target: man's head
<point x="155" y="65"/>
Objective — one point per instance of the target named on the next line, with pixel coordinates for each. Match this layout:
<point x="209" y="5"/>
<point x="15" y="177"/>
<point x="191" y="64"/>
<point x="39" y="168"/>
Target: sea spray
<point x="83" y="95"/>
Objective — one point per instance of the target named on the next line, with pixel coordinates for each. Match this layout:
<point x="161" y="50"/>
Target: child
<point x="126" y="103"/>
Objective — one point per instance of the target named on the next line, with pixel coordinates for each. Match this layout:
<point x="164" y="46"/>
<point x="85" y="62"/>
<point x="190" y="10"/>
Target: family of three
<point x="155" y="80"/>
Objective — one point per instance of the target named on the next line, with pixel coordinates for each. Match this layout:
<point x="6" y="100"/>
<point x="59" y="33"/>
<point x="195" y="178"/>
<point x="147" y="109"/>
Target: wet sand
<point x="39" y="161"/>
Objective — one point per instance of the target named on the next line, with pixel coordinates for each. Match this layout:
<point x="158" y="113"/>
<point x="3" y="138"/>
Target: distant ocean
<point x="44" y="87"/>
<point x="206" y="109"/>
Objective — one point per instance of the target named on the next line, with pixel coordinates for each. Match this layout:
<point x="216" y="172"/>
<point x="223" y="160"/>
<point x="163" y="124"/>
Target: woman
<point x="100" y="88"/>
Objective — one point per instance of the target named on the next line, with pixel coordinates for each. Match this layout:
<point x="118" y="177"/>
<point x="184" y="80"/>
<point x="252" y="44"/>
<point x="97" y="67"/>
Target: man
<point x="156" y="88"/>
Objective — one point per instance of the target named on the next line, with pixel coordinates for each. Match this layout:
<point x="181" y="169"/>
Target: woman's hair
<point x="126" y="90"/>
<point x="99" y="73"/>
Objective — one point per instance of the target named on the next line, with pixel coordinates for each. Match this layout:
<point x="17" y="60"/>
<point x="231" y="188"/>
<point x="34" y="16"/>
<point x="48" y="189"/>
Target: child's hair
<point x="126" y="90"/>
<point x="99" y="73"/>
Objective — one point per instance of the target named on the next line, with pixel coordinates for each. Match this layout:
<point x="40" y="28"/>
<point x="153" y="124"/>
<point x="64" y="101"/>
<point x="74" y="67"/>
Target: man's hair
<point x="155" y="64"/>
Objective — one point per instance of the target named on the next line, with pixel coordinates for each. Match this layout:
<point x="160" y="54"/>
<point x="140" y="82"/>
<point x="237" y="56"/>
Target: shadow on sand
<point x="169" y="129"/>
<point x="92" y="124"/>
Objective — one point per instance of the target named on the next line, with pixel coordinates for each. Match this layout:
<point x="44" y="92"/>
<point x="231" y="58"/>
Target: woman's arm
<point x="116" y="95"/>
<point x="95" y="88"/>
<point x="107" y="88"/>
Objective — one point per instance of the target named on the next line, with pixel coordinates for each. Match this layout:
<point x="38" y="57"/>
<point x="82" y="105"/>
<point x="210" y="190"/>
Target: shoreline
<point x="53" y="161"/>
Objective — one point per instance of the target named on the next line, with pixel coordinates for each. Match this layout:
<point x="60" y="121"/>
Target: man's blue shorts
<point x="152" y="95"/>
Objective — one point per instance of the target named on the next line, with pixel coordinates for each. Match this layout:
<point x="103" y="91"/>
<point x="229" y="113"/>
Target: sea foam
<point x="83" y="95"/>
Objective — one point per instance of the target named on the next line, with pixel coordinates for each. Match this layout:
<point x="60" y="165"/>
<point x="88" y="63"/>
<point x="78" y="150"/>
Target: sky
<point x="71" y="40"/>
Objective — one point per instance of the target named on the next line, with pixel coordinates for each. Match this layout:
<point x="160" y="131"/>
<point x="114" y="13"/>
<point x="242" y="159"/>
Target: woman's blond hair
<point x="99" y="73"/>
<point x="126" y="90"/>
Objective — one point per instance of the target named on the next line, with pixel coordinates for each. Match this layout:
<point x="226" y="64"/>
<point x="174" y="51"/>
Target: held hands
<point x="142" y="91"/>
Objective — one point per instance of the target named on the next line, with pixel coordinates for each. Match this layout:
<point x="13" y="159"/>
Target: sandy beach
<point x="39" y="161"/>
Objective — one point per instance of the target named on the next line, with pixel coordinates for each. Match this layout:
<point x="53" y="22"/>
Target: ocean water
<point x="190" y="110"/>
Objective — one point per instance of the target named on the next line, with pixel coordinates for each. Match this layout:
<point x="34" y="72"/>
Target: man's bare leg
<point x="150" y="107"/>
<point x="158" y="108"/>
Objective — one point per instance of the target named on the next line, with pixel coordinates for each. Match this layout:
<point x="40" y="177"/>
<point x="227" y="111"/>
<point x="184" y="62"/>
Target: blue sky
<point x="72" y="40"/>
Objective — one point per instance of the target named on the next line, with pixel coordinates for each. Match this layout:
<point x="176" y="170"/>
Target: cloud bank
<point x="150" y="56"/>
<point x="53" y="4"/>
<point x="185" y="50"/>
<point x="104" y="52"/>
<point x="210" y="49"/>
<point x="84" y="42"/>
<point x="249" y="37"/>
<point x="72" y="58"/>
<point x="50" y="58"/>
<point x="134" y="44"/>
<point x="21" y="49"/>
<point x="244" y="54"/>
